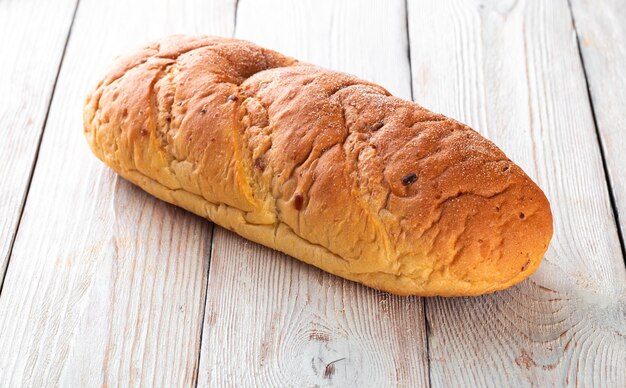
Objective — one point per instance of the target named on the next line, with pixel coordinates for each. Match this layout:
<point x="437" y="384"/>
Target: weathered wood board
<point x="28" y="68"/>
<point x="106" y="285"/>
<point x="271" y="320"/>
<point x="512" y="71"/>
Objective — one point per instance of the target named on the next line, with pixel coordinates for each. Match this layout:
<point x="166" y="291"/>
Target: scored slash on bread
<point x="321" y="165"/>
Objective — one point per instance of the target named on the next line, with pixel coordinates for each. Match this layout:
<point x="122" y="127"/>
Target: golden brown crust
<point x="320" y="165"/>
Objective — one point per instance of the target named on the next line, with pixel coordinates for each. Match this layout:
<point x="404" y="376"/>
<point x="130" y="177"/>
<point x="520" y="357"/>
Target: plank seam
<point x="206" y="294"/>
<point x="422" y="300"/>
<point x="235" y="18"/>
<point x="607" y="175"/>
<point x="36" y="156"/>
<point x="408" y="45"/>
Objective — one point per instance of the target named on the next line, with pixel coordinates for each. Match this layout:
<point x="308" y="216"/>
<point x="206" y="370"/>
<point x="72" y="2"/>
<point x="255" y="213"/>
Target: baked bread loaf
<point x="321" y="165"/>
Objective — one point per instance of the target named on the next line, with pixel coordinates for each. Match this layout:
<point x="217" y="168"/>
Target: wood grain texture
<point x="106" y="284"/>
<point x="511" y="70"/>
<point x="272" y="320"/>
<point x="28" y="68"/>
<point x="601" y="28"/>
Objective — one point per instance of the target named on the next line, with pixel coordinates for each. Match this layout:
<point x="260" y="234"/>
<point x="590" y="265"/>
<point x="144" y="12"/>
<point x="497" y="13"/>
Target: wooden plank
<point x="511" y="70"/>
<point x="105" y="284"/>
<point x="364" y="38"/>
<point x="271" y="320"/>
<point x="601" y="28"/>
<point x="28" y="69"/>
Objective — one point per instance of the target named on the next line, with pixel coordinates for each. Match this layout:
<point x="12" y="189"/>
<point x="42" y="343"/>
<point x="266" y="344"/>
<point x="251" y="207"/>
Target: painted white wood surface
<point x="105" y="285"/>
<point x="271" y="320"/>
<point x="511" y="70"/>
<point x="29" y="65"/>
<point x="601" y="28"/>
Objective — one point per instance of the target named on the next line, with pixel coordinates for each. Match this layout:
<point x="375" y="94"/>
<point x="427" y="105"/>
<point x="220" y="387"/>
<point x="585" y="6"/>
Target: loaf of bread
<point x="328" y="168"/>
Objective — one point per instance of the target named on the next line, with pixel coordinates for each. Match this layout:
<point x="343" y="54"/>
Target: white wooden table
<point x="104" y="285"/>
